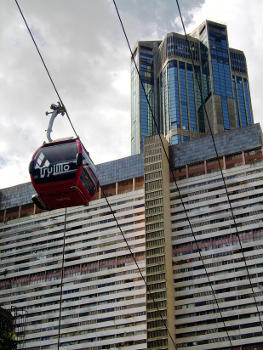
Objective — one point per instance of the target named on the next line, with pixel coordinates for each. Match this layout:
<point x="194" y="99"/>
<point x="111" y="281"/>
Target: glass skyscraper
<point x="176" y="75"/>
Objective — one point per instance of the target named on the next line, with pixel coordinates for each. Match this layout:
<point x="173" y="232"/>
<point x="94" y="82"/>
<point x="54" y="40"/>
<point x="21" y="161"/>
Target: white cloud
<point x="13" y="172"/>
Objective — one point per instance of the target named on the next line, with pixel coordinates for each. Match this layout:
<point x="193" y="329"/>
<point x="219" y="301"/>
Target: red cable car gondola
<point x="63" y="175"/>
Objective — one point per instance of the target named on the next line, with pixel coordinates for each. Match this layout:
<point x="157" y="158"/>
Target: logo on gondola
<point x="53" y="170"/>
<point x="42" y="161"/>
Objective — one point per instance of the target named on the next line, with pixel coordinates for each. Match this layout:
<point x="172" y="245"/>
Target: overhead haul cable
<point x="174" y="179"/>
<point x="172" y="171"/>
<point x="140" y="272"/>
<point x="173" y="175"/>
<point x="112" y="212"/>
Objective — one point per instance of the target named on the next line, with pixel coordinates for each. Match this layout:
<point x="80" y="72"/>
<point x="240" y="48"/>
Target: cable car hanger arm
<point x="57" y="109"/>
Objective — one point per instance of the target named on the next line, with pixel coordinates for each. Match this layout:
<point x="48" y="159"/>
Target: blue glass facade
<point x="164" y="103"/>
<point x="248" y="103"/>
<point x="200" y="108"/>
<point x="146" y="93"/>
<point x="173" y="93"/>
<point x="183" y="95"/>
<point x="191" y="97"/>
<point x="142" y="123"/>
<point x="135" y="117"/>
<point x="206" y="80"/>
<point x="241" y="101"/>
<point x="178" y="102"/>
<point x="244" y="112"/>
<point x="236" y="102"/>
<point x="238" y="61"/>
<point x="175" y="139"/>
<point x="221" y="69"/>
<point x="178" y="46"/>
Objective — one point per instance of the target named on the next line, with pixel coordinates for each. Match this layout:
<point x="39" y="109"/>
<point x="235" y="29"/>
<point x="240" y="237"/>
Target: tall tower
<point x="176" y="79"/>
<point x="227" y="96"/>
<point x="142" y="123"/>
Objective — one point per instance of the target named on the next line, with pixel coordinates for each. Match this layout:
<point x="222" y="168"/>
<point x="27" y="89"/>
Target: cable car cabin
<point x="63" y="175"/>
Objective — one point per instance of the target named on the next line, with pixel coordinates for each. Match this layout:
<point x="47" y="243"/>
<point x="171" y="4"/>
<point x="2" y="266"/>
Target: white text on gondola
<point x="54" y="170"/>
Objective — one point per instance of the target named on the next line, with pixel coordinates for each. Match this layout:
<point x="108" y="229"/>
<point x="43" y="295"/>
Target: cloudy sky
<point x="86" y="53"/>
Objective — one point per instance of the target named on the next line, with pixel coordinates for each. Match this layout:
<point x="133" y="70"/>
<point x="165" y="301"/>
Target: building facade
<point x="198" y="293"/>
<point x="177" y="75"/>
<point x="102" y="295"/>
<point x="217" y="279"/>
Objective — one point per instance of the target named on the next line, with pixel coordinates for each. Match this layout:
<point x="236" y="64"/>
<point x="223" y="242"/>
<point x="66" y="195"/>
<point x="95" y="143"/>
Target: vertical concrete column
<point x="224" y="162"/>
<point x="159" y="274"/>
<point x="243" y="158"/>
<point x="116" y="188"/>
<point x="134" y="184"/>
<point x="186" y="171"/>
<point x="205" y="166"/>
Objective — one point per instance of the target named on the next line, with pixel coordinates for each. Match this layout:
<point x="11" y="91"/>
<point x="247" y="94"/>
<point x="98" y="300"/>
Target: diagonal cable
<point x="172" y="172"/>
<point x="140" y="272"/>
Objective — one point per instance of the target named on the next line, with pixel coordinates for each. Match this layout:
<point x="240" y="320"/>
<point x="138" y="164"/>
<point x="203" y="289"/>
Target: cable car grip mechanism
<point x="56" y="109"/>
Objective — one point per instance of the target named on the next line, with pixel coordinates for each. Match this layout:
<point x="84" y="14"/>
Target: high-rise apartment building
<point x="172" y="73"/>
<point x="104" y="301"/>
<point x="217" y="279"/>
<point x="102" y="297"/>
